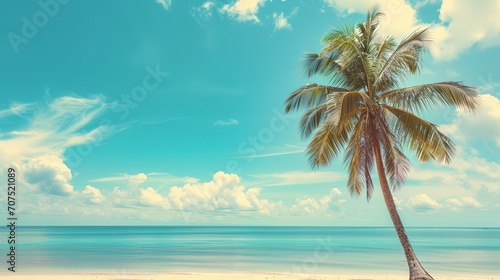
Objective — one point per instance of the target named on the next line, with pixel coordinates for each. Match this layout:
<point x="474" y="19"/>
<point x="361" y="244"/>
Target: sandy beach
<point x="216" y="276"/>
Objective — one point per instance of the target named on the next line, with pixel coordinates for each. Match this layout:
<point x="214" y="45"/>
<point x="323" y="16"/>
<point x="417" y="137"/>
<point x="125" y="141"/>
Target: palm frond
<point x="327" y="144"/>
<point x="406" y="58"/>
<point x="385" y="48"/>
<point x="308" y="96"/>
<point x="421" y="136"/>
<point x="359" y="158"/>
<point x="324" y="63"/>
<point x="396" y="164"/>
<point x="428" y="96"/>
<point x="312" y="119"/>
<point x="368" y="29"/>
<point x="354" y="72"/>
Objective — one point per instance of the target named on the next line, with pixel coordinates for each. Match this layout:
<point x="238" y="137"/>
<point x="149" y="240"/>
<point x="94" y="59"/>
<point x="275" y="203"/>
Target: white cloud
<point x="281" y="22"/>
<point x="93" y="195"/>
<point x="132" y="180"/>
<point x="422" y="3"/>
<point x="399" y="20"/>
<point x="306" y="206"/>
<point x="298" y="178"/>
<point x="463" y="202"/>
<point x="244" y="10"/>
<point x="398" y="203"/>
<point x="16" y="109"/>
<point x="423" y="203"/>
<point x="226" y="123"/>
<point x="152" y="177"/>
<point x="138" y="179"/>
<point x="54" y="127"/>
<point x="327" y="204"/>
<point x="49" y="174"/>
<point x="165" y="3"/>
<point x="481" y="126"/>
<point x="208" y="5"/>
<point x="463" y="24"/>
<point x="149" y="196"/>
<point x="469" y="164"/>
<point x="204" y="11"/>
<point x="223" y="192"/>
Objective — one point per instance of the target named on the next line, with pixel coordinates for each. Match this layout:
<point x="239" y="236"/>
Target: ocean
<point x="299" y="250"/>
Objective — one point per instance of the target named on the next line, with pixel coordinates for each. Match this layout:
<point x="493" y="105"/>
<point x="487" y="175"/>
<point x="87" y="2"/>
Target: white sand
<point x="215" y="276"/>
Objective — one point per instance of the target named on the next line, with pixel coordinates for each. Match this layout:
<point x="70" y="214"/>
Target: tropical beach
<point x="250" y="139"/>
<point x="187" y="276"/>
<point x="293" y="252"/>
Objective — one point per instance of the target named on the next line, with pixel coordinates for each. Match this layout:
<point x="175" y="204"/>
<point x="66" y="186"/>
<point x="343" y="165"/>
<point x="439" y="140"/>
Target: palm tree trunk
<point x="417" y="272"/>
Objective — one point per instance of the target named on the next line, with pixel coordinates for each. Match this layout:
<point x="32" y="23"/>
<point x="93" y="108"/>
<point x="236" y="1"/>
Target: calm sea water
<point x="301" y="250"/>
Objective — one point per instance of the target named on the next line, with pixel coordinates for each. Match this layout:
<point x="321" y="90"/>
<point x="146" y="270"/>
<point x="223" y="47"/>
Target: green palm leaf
<point x="428" y="96"/>
<point x="308" y="96"/>
<point x="421" y="136"/>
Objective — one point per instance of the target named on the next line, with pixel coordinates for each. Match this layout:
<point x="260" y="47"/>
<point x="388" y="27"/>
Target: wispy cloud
<point x="275" y="154"/>
<point x="16" y="109"/>
<point x="165" y="3"/>
<point x="130" y="179"/>
<point x="281" y="22"/>
<point x="207" y="6"/>
<point x="54" y="127"/>
<point x="226" y="123"/>
<point x="39" y="148"/>
<point x="244" y="10"/>
<point x="286" y="149"/>
<point x="457" y="204"/>
<point x="481" y="127"/>
<point x="298" y="178"/>
<point x="157" y="178"/>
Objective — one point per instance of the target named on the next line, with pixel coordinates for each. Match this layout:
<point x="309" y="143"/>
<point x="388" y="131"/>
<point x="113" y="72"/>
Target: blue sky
<point x="171" y="113"/>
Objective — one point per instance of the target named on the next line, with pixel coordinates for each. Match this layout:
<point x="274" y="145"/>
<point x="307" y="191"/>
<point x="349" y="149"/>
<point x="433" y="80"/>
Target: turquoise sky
<point x="171" y="112"/>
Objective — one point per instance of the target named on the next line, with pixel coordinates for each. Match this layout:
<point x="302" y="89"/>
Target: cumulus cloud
<point x="150" y="196"/>
<point x="223" y="192"/>
<point x="244" y="10"/>
<point x="481" y="126"/>
<point x="463" y="24"/>
<point x="93" y="195"/>
<point x="399" y="20"/>
<point x="281" y="22"/>
<point x="138" y="179"/>
<point x="423" y="203"/>
<point x="165" y="3"/>
<point x="49" y="174"/>
<point x="328" y="203"/>
<point x="463" y="202"/>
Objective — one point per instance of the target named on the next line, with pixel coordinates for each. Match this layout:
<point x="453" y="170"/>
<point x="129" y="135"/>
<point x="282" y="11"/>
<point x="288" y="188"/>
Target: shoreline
<point x="223" y="276"/>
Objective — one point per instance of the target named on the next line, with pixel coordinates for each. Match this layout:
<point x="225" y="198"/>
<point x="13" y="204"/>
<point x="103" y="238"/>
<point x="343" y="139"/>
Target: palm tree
<point x="365" y="112"/>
